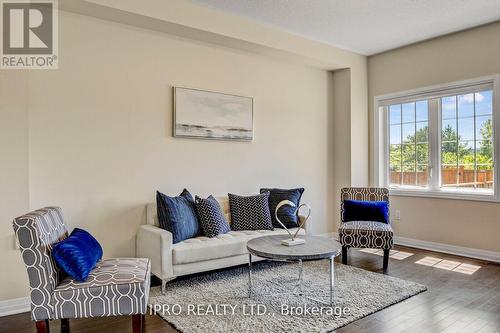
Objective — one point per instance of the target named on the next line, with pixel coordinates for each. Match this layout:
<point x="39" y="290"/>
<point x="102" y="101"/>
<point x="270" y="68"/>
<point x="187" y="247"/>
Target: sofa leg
<point x="42" y="326"/>
<point x="163" y="286"/>
<point x="386" y="259"/>
<point x="64" y="325"/>
<point x="137" y="323"/>
<point x="344" y="255"/>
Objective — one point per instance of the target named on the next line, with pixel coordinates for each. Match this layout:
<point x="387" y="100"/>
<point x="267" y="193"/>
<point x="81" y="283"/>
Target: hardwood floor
<point x="454" y="302"/>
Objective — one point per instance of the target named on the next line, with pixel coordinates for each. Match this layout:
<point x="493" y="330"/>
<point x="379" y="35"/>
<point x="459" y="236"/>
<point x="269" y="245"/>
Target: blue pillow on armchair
<point x="178" y="215"/>
<point x="77" y="254"/>
<point x="355" y="210"/>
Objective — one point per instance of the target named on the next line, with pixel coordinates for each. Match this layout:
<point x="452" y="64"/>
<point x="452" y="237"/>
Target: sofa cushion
<point x="250" y="212"/>
<point x="114" y="287"/>
<point x="287" y="214"/>
<point x="212" y="219"/>
<point x="226" y="245"/>
<point x="178" y="215"/>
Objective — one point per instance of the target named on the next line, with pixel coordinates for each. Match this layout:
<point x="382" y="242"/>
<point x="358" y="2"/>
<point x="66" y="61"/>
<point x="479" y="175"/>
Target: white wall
<point x="97" y="133"/>
<point x="460" y="56"/>
<point x="14" y="181"/>
<point x="342" y="143"/>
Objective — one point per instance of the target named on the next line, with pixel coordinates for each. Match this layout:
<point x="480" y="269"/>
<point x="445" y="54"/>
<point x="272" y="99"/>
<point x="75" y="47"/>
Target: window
<point x="438" y="141"/>
<point x="409" y="144"/>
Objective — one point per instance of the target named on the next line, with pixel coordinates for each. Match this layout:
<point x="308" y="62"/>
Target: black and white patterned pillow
<point x="211" y="217"/>
<point x="250" y="213"/>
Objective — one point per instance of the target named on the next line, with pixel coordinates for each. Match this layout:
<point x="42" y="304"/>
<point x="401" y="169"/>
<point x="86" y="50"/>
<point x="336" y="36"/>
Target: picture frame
<point x="205" y="114"/>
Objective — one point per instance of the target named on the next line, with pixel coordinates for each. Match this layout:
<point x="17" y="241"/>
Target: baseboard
<point x="440" y="247"/>
<point x="14" y="306"/>
<point x="451" y="249"/>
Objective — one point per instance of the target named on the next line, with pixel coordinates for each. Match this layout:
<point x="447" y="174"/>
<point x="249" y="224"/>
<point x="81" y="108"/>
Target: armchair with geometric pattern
<point x="114" y="287"/>
<point x="365" y="234"/>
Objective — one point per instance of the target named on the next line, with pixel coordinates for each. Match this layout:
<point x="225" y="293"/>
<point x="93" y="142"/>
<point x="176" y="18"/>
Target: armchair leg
<point x="386" y="259"/>
<point x="42" y="326"/>
<point x="64" y="325"/>
<point x="344" y="255"/>
<point x="137" y="323"/>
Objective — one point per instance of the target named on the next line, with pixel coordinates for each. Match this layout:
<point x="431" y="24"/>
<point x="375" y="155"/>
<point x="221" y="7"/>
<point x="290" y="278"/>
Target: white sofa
<point x="194" y="255"/>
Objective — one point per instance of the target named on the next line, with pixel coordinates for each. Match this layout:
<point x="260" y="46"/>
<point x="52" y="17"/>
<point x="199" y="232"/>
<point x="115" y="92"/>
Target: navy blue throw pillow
<point x="286" y="213"/>
<point x="212" y="218"/>
<point x="178" y="215"/>
<point x="78" y="254"/>
<point x="355" y="210"/>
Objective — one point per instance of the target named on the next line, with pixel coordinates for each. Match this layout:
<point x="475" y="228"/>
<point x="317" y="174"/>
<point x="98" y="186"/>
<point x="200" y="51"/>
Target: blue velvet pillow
<point x="355" y="210"/>
<point x="286" y="214"/>
<point x="178" y="215"/>
<point x="78" y="254"/>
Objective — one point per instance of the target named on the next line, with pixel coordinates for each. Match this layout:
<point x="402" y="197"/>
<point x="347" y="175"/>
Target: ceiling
<point x="364" y="26"/>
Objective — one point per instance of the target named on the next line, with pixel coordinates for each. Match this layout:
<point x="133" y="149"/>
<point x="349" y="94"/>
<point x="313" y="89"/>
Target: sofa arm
<point x="156" y="244"/>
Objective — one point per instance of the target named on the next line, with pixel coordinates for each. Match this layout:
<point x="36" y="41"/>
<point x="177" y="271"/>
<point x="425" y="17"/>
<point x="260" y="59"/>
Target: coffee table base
<point x="299" y="283"/>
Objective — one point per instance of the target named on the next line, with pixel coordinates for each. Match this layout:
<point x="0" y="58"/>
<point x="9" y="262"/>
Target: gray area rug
<point x="218" y="302"/>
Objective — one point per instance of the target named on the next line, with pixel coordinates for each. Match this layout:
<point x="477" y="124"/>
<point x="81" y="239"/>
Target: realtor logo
<point x="29" y="34"/>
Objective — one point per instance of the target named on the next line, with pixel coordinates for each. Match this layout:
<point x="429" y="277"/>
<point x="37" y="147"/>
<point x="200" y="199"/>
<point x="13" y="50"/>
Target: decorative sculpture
<point x="293" y="240"/>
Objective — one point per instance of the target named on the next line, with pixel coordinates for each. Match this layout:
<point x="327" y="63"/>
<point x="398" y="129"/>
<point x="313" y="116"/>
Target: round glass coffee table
<point x="315" y="248"/>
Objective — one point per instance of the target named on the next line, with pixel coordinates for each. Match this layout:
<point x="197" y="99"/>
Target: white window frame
<point x="380" y="139"/>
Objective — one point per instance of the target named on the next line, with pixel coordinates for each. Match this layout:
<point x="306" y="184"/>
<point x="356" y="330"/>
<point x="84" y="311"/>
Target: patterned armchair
<point x="115" y="287"/>
<point x="365" y="234"/>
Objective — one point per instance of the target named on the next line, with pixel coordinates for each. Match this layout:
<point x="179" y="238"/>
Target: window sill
<point x="444" y="194"/>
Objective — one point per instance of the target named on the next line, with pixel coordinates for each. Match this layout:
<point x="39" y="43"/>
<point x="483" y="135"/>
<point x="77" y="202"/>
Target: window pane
<point x="409" y="176"/>
<point x="484" y="103"/>
<point x="449" y="130"/>
<point x="466" y="146"/>
<point x="395" y="114"/>
<point x="484" y="151"/>
<point x="422" y="175"/>
<point x="484" y="128"/>
<point x="422" y="133"/>
<point x="423" y="153"/>
<point x="395" y="157"/>
<point x="409" y="133"/>
<point x="484" y="176"/>
<point x="395" y="134"/>
<point x="409" y="154"/>
<point x="408" y="112"/>
<point x="448" y="107"/>
<point x="466" y="176"/>
<point x="466" y="106"/>
<point x="422" y="110"/>
<point x="466" y="128"/>
<point x="466" y="152"/>
<point x="448" y="175"/>
<point x="449" y="155"/>
<point x="395" y="165"/>
<point x="409" y="136"/>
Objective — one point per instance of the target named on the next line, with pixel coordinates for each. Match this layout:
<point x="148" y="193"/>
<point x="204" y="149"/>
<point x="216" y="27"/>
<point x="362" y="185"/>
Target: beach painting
<point x="212" y="115"/>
